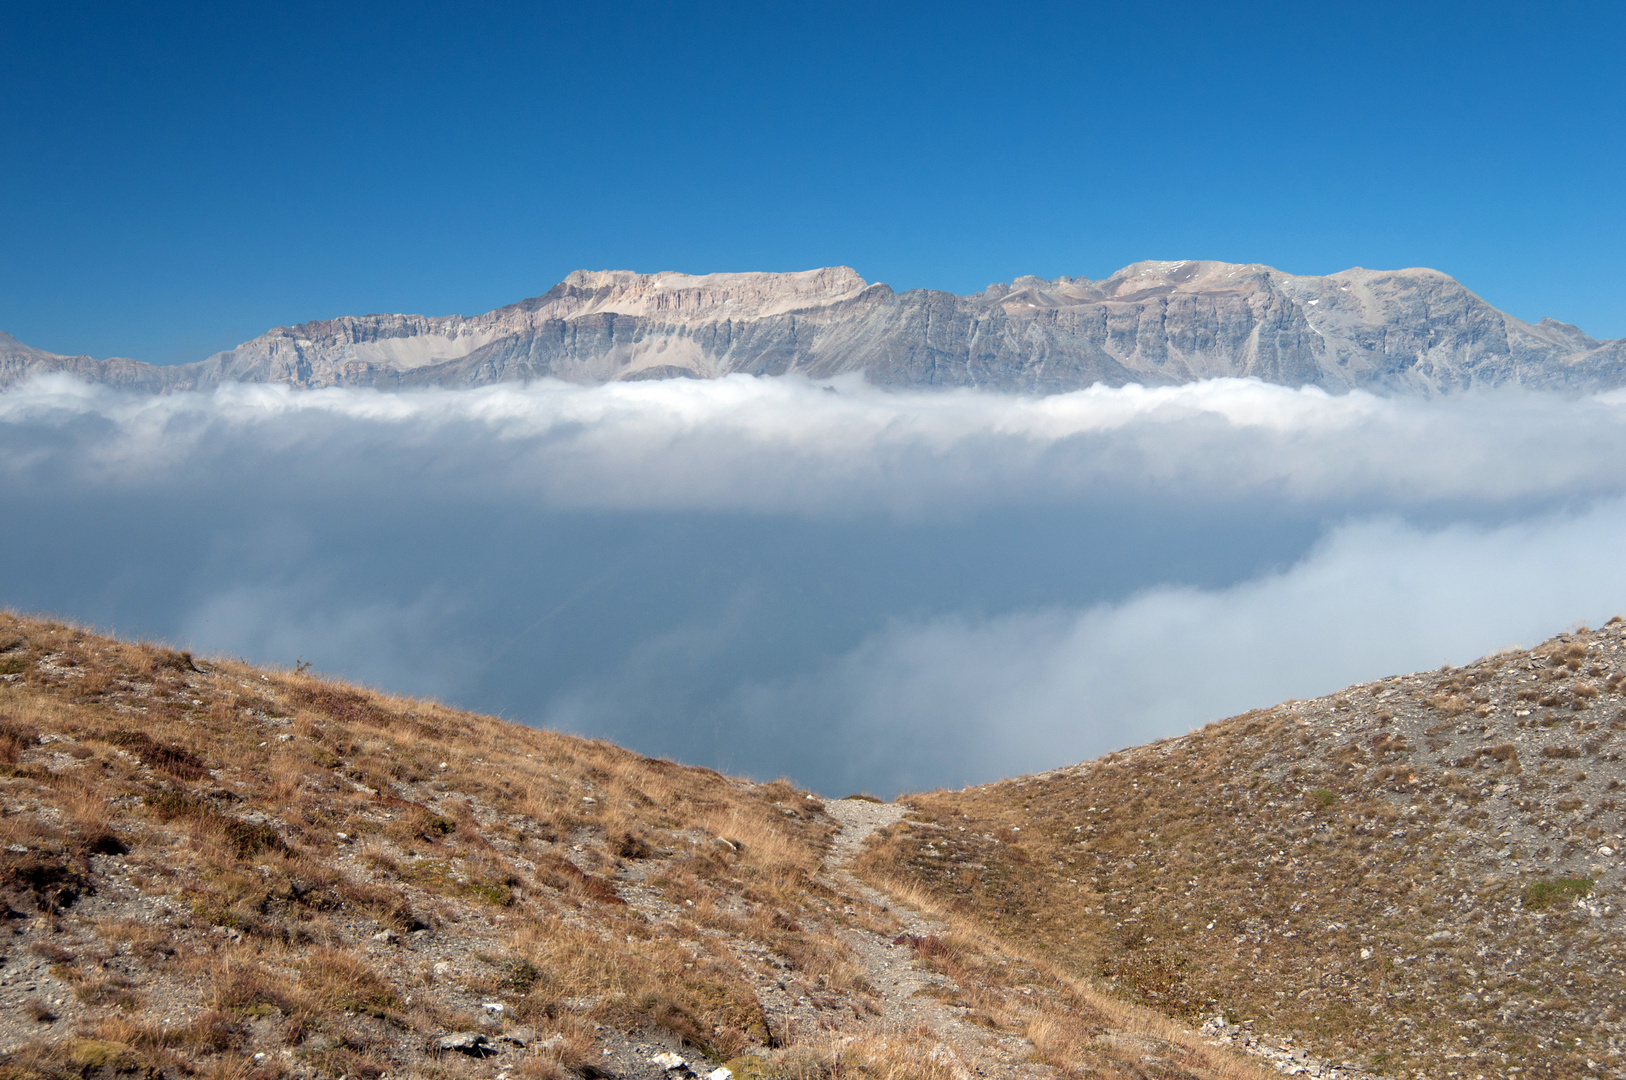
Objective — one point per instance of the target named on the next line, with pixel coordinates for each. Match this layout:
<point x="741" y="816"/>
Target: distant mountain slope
<point x="1155" y="323"/>
<point x="1423" y="876"/>
<point x="19" y="362"/>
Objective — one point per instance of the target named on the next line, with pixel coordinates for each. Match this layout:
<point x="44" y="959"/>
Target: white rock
<point x="668" y="1060"/>
<point x="468" y="1042"/>
<point x="1606" y="851"/>
<point x="720" y="1073"/>
<point x="493" y="1006"/>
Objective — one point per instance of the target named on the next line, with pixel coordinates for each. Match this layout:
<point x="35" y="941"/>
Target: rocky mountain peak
<point x="752" y="295"/>
<point x="1189" y="276"/>
<point x="1154" y="323"/>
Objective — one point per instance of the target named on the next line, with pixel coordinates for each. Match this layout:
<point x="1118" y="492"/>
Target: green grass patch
<point x="441" y="878"/>
<point x="1550" y="891"/>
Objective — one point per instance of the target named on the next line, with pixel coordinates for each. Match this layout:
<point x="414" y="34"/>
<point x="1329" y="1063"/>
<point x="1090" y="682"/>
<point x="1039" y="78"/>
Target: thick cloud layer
<point x="861" y="589"/>
<point x="765" y="446"/>
<point x="953" y="700"/>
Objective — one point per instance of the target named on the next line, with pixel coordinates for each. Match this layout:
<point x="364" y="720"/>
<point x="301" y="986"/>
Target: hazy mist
<point x="856" y="588"/>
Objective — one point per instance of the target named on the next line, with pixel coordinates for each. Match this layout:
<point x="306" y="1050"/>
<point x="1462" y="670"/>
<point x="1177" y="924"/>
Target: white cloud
<point x="788" y="445"/>
<point x="954" y="700"/>
<point x="857" y="587"/>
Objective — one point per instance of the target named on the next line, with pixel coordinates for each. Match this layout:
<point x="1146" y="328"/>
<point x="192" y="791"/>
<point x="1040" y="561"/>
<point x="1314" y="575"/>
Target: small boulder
<point x="471" y="1043"/>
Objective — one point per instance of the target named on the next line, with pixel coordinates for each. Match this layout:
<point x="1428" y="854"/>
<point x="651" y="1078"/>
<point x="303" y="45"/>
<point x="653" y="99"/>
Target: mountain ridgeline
<point x="1153" y="323"/>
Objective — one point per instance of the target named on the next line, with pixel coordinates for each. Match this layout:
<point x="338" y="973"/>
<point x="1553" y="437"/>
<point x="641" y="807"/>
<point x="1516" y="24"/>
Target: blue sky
<point x="178" y="179"/>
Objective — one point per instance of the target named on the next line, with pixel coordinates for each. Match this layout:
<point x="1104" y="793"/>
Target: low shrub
<point x="1547" y="892"/>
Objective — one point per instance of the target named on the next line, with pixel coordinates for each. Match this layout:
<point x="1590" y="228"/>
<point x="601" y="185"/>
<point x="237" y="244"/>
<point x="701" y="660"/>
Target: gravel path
<point x="906" y="991"/>
<point x="858" y="818"/>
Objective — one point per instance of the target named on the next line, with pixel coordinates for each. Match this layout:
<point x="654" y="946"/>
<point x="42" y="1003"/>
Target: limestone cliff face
<point x="19" y="361"/>
<point x="1154" y="323"/>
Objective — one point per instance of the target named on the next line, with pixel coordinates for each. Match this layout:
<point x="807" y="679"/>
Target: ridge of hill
<point x="1155" y="323"/>
<point x="211" y="869"/>
<point x="1422" y="876"/>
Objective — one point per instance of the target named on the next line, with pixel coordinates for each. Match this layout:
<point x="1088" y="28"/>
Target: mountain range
<point x="1153" y="323"/>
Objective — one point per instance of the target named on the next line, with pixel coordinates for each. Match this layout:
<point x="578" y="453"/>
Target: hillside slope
<point x="1154" y="323"/>
<point x="1422" y="876"/>
<point x="210" y="869"/>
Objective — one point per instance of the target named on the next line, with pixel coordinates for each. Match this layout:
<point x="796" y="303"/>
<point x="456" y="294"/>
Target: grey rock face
<point x="467" y="1042"/>
<point x="19" y="361"/>
<point x="1154" y="323"/>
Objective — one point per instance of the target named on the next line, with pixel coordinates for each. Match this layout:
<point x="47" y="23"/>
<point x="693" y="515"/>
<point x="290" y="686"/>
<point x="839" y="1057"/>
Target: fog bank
<point x="857" y="588"/>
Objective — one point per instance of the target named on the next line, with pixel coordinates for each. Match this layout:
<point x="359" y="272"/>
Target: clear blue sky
<point x="178" y="179"/>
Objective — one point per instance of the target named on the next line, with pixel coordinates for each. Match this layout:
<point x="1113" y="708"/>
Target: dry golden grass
<point x="1343" y="888"/>
<point x="284" y="820"/>
<point x="1073" y="1026"/>
<point x="242" y="794"/>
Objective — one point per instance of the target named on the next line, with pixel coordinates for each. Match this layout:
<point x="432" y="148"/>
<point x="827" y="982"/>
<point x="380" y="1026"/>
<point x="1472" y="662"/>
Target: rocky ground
<point x="1422" y="875"/>
<point x="210" y="868"/>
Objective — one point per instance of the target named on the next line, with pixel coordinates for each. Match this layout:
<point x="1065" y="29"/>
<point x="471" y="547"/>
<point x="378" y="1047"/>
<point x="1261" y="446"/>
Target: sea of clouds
<point x="858" y="588"/>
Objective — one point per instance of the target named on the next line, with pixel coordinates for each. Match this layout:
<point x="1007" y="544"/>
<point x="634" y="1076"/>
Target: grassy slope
<point x="212" y="869"/>
<point x="1416" y="875"/>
